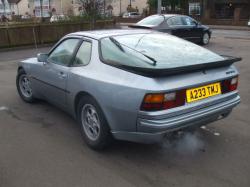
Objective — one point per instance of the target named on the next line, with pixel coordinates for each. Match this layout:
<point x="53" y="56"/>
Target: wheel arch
<point x="20" y="68"/>
<point x="206" y="30"/>
<point x="81" y="94"/>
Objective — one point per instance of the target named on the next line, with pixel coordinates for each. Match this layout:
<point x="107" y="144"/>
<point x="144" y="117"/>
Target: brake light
<point x="230" y="85"/>
<point x="155" y="102"/>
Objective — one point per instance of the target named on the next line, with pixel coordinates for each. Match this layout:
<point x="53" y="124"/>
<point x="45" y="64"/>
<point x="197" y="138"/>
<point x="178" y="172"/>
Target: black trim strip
<point x="68" y="92"/>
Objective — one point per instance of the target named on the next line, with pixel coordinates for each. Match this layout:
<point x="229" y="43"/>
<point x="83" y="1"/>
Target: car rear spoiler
<point x="153" y="72"/>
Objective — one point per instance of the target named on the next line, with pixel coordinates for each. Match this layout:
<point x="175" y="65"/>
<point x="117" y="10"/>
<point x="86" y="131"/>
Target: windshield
<point x="155" y="51"/>
<point x="152" y="20"/>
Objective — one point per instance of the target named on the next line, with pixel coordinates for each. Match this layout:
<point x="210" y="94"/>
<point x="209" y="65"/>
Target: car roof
<point x="171" y="15"/>
<point x="168" y="15"/>
<point x="98" y="34"/>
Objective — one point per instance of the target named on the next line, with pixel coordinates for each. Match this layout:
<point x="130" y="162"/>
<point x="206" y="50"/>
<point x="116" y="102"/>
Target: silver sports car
<point x="134" y="85"/>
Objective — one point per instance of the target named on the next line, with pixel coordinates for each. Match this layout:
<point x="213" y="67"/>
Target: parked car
<point x="131" y="15"/>
<point x="134" y="85"/>
<point x="26" y="17"/>
<point x="56" y="18"/>
<point x="178" y="25"/>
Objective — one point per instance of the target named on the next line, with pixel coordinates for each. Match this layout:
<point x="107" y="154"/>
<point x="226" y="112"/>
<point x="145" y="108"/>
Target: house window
<point x="194" y="9"/>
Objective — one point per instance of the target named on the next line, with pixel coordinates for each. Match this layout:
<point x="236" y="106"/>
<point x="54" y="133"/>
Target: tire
<point x="23" y="86"/>
<point x="94" y="127"/>
<point x="205" y="39"/>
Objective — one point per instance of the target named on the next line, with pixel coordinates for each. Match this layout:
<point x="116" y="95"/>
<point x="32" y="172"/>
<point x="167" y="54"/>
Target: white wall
<point x="22" y="7"/>
<point x="62" y="6"/>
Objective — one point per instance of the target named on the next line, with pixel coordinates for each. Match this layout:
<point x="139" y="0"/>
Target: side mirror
<point x="42" y="57"/>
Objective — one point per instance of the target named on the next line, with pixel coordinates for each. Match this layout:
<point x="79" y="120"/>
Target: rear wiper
<point x="119" y="45"/>
<point x="149" y="57"/>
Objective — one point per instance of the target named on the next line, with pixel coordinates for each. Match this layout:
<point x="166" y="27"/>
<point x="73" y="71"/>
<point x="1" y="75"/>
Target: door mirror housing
<point x="42" y="57"/>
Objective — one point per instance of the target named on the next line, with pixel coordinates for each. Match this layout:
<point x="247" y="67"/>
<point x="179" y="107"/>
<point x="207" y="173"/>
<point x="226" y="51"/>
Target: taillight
<point x="230" y="85"/>
<point x="162" y="101"/>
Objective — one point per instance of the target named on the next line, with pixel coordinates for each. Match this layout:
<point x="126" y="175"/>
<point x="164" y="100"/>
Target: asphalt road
<point x="41" y="146"/>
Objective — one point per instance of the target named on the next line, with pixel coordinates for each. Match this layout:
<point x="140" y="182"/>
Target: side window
<point x="62" y="55"/>
<point x="83" y="55"/>
<point x="188" y="21"/>
<point x="175" y="21"/>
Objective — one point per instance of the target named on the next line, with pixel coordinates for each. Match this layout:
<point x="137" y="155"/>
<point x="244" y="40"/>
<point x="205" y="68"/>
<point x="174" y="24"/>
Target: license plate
<point x="203" y="92"/>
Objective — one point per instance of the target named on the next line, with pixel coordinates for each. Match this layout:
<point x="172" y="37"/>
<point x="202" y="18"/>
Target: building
<point x="50" y="7"/>
<point x="22" y="7"/>
<point x="120" y="6"/>
<point x="229" y="12"/>
<point x="8" y="7"/>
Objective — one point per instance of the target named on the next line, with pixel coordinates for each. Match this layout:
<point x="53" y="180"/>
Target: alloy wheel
<point x="205" y="38"/>
<point x="24" y="85"/>
<point x="90" y="122"/>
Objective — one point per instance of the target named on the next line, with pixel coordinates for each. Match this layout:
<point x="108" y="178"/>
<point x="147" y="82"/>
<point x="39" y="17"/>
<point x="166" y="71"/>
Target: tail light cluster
<point x="229" y="85"/>
<point x="163" y="101"/>
<point x="155" y="102"/>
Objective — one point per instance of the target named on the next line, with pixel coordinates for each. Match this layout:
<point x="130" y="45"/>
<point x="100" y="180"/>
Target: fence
<point x="29" y="34"/>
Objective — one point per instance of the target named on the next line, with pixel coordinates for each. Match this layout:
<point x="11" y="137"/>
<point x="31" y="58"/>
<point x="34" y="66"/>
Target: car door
<point x="174" y="26"/>
<point x="53" y="74"/>
<point x="193" y="31"/>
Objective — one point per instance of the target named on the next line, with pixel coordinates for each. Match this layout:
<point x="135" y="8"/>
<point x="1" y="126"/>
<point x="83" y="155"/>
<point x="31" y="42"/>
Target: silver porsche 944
<point x="133" y="85"/>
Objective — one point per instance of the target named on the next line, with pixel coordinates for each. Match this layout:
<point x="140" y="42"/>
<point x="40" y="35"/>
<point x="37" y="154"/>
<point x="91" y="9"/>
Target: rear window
<point x="153" y="51"/>
<point x="134" y="13"/>
<point x="152" y="20"/>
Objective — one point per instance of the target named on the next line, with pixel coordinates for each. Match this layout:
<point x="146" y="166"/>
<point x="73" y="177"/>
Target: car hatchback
<point x="134" y="85"/>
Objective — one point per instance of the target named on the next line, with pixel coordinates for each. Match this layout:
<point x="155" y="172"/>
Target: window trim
<point x="72" y="64"/>
<point x="60" y="42"/>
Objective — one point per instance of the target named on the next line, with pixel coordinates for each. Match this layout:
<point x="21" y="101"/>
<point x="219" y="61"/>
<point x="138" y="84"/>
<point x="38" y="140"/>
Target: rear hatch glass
<point x="155" y="51"/>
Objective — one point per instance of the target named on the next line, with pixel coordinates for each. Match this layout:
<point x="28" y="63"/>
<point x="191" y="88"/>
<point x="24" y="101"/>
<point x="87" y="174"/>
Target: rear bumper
<point x="152" y="127"/>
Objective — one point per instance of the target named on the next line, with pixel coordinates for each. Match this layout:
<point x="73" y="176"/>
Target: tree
<point x="152" y="5"/>
<point x="92" y="9"/>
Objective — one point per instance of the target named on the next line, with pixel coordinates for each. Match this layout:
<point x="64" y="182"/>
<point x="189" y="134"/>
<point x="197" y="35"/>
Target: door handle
<point x="62" y="75"/>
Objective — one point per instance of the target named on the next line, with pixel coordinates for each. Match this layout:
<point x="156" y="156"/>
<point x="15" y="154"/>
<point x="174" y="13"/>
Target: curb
<point x="224" y="27"/>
